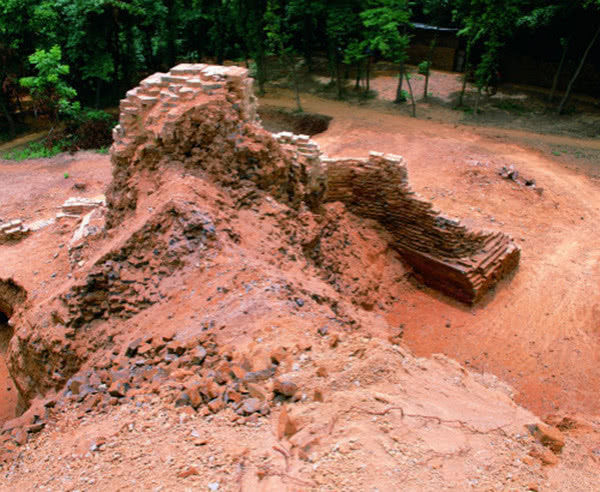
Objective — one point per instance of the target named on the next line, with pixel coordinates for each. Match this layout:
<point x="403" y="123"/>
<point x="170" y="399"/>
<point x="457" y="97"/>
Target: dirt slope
<point x="388" y="420"/>
<point x="540" y="332"/>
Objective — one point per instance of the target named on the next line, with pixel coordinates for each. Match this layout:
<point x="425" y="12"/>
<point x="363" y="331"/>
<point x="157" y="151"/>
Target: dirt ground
<point x="34" y="190"/>
<point x="538" y="331"/>
<point x="513" y="107"/>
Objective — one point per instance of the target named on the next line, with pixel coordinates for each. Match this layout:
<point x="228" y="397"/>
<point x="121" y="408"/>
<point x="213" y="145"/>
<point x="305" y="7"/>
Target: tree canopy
<point x="109" y="45"/>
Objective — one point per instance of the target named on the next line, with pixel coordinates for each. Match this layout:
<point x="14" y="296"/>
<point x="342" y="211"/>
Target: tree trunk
<point x="129" y="68"/>
<point x="477" y="100"/>
<point x="297" y="90"/>
<point x="561" y="106"/>
<point x="331" y="59"/>
<point x="559" y="70"/>
<point x="9" y="119"/>
<point x="338" y="78"/>
<point x="429" y="63"/>
<point x="307" y="41"/>
<point x="98" y="85"/>
<point x="261" y="71"/>
<point x="171" y="34"/>
<point x="368" y="74"/>
<point x="148" y="51"/>
<point x="466" y="76"/>
<point x="399" y="96"/>
<point x="295" y="80"/>
<point x="412" y="97"/>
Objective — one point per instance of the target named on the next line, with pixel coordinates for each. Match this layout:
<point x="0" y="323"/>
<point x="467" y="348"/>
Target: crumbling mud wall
<point x="463" y="264"/>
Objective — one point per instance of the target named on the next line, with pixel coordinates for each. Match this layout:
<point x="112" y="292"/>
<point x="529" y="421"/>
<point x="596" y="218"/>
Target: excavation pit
<point x="275" y="120"/>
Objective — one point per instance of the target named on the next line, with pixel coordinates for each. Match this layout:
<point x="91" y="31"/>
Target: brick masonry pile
<point x="77" y="206"/>
<point x="13" y="230"/>
<point x="160" y="96"/>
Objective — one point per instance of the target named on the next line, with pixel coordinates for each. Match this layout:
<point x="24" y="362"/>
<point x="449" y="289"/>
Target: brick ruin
<point x="463" y="264"/>
<point x="204" y="118"/>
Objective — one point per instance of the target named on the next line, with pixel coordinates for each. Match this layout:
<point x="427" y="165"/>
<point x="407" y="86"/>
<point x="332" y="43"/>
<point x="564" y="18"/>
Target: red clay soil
<point x="8" y="392"/>
<point x="539" y="331"/>
<point x="379" y="426"/>
<point x="33" y="190"/>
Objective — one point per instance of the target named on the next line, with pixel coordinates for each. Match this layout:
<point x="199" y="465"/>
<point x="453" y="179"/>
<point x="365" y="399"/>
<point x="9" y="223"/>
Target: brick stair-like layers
<point x="449" y="257"/>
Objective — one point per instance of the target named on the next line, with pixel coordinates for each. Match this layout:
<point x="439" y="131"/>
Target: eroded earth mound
<point x="222" y="322"/>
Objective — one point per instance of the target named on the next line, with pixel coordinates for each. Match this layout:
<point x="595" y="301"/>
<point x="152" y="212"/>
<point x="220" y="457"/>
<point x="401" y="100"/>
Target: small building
<point x="448" y="54"/>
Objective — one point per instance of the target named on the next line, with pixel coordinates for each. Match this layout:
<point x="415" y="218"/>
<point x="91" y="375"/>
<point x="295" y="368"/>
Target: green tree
<point x="593" y="7"/>
<point x="17" y="37"/>
<point x="280" y="26"/>
<point x="489" y="23"/>
<point x="540" y="15"/>
<point x="386" y="30"/>
<point x="251" y="21"/>
<point x="436" y="11"/>
<point x="49" y="91"/>
<point x="342" y="27"/>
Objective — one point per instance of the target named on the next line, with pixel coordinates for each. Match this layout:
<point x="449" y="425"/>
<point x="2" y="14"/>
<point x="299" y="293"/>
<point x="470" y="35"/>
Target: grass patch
<point x="34" y="150"/>
<point x="85" y="129"/>
<point x="510" y="106"/>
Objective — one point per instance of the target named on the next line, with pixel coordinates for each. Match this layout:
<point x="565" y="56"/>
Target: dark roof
<point x="427" y="27"/>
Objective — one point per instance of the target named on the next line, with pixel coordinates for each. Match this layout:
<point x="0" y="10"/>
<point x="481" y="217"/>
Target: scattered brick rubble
<point x="512" y="174"/>
<point x="13" y="230"/>
<point x="74" y="207"/>
<point x="77" y="206"/>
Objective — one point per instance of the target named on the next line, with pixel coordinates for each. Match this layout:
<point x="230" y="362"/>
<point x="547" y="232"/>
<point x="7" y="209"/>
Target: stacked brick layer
<point x="13" y="230"/>
<point x="461" y="263"/>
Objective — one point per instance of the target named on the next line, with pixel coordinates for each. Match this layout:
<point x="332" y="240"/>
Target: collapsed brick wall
<point x="461" y="263"/>
<point x="204" y="118"/>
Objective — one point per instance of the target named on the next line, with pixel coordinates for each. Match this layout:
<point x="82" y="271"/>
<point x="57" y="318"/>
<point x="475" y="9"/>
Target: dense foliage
<point x="100" y="48"/>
